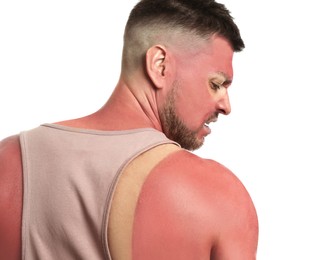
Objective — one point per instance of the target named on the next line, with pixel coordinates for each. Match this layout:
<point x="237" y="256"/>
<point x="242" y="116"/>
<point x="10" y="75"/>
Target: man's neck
<point x="127" y="108"/>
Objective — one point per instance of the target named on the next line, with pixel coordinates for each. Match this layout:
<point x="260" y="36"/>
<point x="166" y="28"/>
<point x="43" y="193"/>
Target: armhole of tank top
<point x="25" y="213"/>
<point x="130" y="181"/>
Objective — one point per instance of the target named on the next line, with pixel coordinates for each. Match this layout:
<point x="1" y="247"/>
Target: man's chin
<point x="192" y="144"/>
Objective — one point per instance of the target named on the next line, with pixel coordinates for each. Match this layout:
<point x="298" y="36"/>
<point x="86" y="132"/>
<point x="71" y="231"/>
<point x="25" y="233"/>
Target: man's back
<point x="69" y="176"/>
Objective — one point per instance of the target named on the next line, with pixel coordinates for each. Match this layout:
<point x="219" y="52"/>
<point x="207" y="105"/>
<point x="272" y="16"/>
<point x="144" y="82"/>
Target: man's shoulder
<point x="194" y="201"/>
<point x="9" y="150"/>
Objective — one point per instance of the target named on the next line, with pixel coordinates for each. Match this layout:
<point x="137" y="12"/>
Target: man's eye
<point x="215" y="86"/>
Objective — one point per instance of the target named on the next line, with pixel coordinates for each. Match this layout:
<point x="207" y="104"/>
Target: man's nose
<point x="223" y="104"/>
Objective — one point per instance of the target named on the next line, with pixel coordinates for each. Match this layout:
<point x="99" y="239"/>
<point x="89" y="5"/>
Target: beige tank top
<point x="69" y="177"/>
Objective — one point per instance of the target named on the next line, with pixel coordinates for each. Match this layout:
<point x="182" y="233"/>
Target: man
<point x="120" y="183"/>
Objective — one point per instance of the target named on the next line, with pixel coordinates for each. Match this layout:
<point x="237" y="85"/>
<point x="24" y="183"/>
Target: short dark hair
<point x="202" y="17"/>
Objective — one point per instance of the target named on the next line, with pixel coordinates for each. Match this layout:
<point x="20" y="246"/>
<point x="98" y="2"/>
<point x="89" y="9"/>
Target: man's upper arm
<point x="191" y="208"/>
<point x="10" y="198"/>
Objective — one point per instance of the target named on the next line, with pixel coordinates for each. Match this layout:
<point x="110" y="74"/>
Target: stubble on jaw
<point x="174" y="128"/>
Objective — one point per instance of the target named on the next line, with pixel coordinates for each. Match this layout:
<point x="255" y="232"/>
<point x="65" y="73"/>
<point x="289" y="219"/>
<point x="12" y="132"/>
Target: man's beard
<point x="174" y="128"/>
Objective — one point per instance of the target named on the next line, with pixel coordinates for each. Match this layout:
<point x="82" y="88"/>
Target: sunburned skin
<point x="10" y="198"/>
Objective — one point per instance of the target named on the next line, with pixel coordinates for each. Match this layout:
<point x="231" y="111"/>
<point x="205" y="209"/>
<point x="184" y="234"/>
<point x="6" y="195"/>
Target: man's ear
<point x="157" y="65"/>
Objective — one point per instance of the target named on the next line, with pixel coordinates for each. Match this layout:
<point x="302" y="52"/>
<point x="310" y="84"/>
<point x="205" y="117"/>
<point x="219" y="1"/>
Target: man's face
<point x="198" y="94"/>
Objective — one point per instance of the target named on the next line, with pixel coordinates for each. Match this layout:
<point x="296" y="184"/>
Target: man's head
<point x="159" y="21"/>
<point x="193" y="41"/>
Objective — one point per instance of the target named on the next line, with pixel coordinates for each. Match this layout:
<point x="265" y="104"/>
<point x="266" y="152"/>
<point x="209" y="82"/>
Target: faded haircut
<point x="152" y="19"/>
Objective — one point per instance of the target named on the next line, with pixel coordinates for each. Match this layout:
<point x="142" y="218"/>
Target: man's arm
<point x="191" y="208"/>
<point x="10" y="198"/>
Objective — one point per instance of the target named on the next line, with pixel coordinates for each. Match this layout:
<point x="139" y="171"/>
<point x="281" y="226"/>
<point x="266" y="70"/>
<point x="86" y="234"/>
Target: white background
<point x="61" y="60"/>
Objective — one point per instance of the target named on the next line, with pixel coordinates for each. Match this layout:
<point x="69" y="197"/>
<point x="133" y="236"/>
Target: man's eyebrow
<point x="226" y="80"/>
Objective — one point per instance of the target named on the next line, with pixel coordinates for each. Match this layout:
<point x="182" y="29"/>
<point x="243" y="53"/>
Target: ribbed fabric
<point x="69" y="177"/>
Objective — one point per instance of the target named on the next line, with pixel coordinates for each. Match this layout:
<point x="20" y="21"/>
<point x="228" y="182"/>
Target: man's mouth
<point x="211" y="120"/>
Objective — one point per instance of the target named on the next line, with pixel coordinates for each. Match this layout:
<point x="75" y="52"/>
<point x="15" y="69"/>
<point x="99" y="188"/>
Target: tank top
<point x="69" y="176"/>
